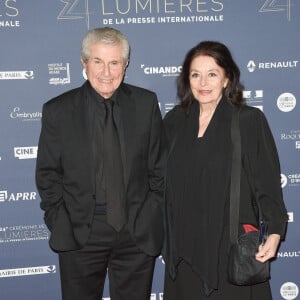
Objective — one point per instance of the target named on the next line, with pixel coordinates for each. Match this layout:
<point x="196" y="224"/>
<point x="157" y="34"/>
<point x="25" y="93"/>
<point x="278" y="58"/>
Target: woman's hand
<point x="269" y="248"/>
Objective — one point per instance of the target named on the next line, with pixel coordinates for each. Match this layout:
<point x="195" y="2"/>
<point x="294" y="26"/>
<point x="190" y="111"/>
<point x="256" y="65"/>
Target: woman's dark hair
<point x="222" y="56"/>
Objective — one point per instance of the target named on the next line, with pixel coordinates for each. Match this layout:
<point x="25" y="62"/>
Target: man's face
<point x="105" y="68"/>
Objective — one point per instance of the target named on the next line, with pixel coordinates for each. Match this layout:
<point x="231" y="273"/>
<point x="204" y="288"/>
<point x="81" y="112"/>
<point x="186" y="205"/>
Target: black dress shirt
<point x="97" y="114"/>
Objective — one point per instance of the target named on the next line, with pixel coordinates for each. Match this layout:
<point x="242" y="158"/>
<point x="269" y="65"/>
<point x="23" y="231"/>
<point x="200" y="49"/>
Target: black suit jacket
<point x="65" y="173"/>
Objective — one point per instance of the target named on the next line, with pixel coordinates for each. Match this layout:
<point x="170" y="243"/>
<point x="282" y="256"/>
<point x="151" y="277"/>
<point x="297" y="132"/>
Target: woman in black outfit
<point x="198" y="179"/>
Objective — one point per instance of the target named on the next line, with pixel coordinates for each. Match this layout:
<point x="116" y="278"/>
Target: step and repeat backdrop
<point x="40" y="58"/>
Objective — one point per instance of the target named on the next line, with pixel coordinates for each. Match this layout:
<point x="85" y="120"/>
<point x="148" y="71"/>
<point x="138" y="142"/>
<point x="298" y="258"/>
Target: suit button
<point x="94" y="197"/>
<point x="89" y="225"/>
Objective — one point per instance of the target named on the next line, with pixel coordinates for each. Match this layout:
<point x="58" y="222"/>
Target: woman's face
<point x="207" y="79"/>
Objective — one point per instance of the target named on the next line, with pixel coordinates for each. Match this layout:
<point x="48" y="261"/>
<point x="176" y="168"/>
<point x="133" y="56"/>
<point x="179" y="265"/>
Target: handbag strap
<point x="235" y="185"/>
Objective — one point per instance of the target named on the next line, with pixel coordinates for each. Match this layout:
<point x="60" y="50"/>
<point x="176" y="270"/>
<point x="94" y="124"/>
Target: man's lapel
<point x="83" y="120"/>
<point x="127" y="135"/>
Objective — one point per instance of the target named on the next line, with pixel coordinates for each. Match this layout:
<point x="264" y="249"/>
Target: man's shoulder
<point x="65" y="98"/>
<point x="137" y="90"/>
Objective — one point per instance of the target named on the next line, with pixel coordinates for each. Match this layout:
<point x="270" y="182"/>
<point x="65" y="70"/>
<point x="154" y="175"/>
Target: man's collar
<point x="97" y="96"/>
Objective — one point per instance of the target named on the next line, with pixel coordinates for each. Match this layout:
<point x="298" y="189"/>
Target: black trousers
<point x="83" y="272"/>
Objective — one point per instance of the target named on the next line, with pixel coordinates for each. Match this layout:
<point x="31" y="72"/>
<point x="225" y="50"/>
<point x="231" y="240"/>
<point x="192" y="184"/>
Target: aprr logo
<point x="14" y="197"/>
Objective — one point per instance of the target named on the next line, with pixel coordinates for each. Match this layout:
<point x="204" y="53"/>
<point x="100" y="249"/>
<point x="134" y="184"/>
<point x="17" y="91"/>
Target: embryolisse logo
<point x="161" y="70"/>
<point x="19" y="114"/>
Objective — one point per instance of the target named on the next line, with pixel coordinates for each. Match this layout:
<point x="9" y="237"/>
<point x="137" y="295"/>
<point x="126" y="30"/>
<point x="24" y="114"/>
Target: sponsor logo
<point x="28" y="271"/>
<point x="291" y="180"/>
<point x="254" y="98"/>
<point x="59" y="73"/>
<point x="251" y="66"/>
<point x="286" y="102"/>
<point x="294" y="179"/>
<point x="283" y="180"/>
<point x="23" y="233"/>
<point x="13" y="75"/>
<point x="166" y="107"/>
<point x="161" y="70"/>
<point x="3" y="196"/>
<point x="291" y="217"/>
<point x="288" y="254"/>
<point x="289" y="291"/>
<point x="289" y="64"/>
<point x="9" y="12"/>
<point x="15" y="197"/>
<point x="292" y="135"/>
<point x="25" y="152"/>
<point x="253" y="95"/>
<point x="17" y="114"/>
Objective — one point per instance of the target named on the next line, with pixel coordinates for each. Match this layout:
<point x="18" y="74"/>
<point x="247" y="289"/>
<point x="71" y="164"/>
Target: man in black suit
<point x="100" y="176"/>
